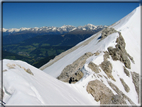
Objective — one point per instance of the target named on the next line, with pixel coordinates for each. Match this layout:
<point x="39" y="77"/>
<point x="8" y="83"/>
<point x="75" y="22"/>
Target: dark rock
<point x="76" y="77"/>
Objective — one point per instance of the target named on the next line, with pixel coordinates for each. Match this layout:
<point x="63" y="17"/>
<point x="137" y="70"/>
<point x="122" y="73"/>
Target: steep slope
<point x="24" y="84"/>
<point x="116" y="53"/>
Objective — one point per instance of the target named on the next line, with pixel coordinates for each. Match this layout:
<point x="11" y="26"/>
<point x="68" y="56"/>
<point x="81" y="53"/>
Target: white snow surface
<point x="129" y="26"/>
<point x="22" y="88"/>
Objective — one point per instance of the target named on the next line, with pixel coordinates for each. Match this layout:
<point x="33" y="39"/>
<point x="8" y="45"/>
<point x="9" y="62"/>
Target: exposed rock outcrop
<point x="135" y="77"/>
<point x="117" y="99"/>
<point x="10" y="66"/>
<point x="94" y="67"/>
<point x="122" y="97"/>
<point x="126" y="72"/>
<point x="99" y="91"/>
<point x="127" y="89"/>
<point x="76" y="76"/>
<point x="106" y="55"/>
<point x="70" y="70"/>
<point x="107" y="68"/>
<point x="97" y="53"/>
<point x="29" y="71"/>
<point x="102" y="93"/>
<point x="107" y="31"/>
<point x="119" y="52"/>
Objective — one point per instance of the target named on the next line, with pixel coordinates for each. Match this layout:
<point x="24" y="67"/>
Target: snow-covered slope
<point x="24" y="84"/>
<point x="129" y="27"/>
<point x="36" y="87"/>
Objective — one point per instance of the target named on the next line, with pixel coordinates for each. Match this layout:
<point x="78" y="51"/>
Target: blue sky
<point x="17" y="15"/>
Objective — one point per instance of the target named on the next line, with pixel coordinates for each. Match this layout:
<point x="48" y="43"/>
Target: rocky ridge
<point x="73" y="72"/>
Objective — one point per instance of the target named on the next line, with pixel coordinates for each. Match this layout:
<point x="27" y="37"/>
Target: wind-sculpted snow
<point x="118" y="72"/>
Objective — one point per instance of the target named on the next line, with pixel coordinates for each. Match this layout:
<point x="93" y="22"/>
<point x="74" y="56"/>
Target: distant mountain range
<point x="11" y="36"/>
<point x="55" y="30"/>
<point x="34" y="45"/>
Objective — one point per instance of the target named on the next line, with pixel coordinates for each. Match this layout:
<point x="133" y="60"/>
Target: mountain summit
<point x="103" y="69"/>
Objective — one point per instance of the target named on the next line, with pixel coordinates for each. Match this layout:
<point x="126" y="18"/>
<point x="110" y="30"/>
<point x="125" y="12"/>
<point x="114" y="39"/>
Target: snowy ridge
<point x="26" y="85"/>
<point x="129" y="27"/>
<point x="22" y="88"/>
